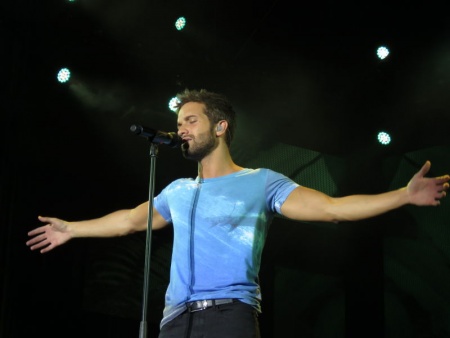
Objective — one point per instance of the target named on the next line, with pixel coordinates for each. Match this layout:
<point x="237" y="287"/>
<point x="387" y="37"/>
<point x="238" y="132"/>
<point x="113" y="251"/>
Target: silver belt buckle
<point x="204" y="305"/>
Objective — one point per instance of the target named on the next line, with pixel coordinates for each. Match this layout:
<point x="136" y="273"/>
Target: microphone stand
<point x="148" y="241"/>
<point x="155" y="137"/>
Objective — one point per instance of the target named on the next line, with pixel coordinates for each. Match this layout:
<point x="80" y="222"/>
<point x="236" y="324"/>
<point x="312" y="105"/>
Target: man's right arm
<point x="118" y="223"/>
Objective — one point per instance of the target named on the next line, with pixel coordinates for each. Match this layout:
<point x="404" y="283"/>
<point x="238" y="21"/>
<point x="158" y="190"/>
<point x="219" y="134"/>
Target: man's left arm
<point x="305" y="204"/>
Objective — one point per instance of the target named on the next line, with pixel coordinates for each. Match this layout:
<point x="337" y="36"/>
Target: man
<point x="221" y="220"/>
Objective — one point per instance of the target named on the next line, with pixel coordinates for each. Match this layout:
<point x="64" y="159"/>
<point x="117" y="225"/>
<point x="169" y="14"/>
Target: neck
<point x="218" y="163"/>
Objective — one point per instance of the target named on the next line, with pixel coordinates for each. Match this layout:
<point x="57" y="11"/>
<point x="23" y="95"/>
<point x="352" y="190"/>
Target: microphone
<point x="157" y="136"/>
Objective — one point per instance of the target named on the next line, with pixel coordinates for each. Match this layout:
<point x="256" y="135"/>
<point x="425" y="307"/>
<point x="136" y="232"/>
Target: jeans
<point x="234" y="320"/>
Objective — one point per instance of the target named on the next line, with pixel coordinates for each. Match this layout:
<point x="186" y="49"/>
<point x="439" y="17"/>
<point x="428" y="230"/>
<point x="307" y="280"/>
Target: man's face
<point x="199" y="138"/>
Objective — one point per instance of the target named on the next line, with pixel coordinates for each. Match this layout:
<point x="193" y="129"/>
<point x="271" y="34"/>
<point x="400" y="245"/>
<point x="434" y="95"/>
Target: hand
<point x="427" y="191"/>
<point x="49" y="236"/>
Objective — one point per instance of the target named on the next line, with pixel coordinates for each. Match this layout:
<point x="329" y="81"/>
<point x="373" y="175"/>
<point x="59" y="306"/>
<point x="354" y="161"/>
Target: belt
<point x="200" y="305"/>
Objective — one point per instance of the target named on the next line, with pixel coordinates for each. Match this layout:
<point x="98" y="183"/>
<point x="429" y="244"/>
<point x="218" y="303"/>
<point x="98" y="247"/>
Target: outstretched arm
<point x="306" y="204"/>
<point x="119" y="223"/>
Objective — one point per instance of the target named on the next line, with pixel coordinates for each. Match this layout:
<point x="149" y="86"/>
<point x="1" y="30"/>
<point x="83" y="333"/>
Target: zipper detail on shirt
<point x="191" y="236"/>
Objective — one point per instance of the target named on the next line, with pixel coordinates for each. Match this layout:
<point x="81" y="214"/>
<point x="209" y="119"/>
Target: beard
<point x="200" y="147"/>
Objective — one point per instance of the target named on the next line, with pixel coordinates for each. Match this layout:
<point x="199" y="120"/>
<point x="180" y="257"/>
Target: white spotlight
<point x="173" y="104"/>
<point x="63" y="75"/>
<point x="382" y="52"/>
<point x="180" y="23"/>
<point x="384" y="138"/>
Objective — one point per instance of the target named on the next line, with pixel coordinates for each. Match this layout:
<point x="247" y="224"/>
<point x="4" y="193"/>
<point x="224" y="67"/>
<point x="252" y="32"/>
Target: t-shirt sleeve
<point x="161" y="204"/>
<point x="278" y="188"/>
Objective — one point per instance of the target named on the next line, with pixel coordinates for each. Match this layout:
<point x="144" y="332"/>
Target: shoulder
<point x="270" y="173"/>
<point x="178" y="183"/>
<point x="269" y="177"/>
<point x="259" y="171"/>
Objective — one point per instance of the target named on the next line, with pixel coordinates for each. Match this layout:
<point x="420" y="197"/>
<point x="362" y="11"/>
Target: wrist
<point x="405" y="197"/>
<point x="68" y="228"/>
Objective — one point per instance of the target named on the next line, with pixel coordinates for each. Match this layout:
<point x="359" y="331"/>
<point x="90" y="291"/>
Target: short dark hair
<point x="217" y="108"/>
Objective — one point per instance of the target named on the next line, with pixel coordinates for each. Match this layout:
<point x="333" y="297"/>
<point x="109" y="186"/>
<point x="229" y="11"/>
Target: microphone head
<point x="157" y="136"/>
<point x="137" y="129"/>
<point x="175" y="141"/>
<point x="133" y="128"/>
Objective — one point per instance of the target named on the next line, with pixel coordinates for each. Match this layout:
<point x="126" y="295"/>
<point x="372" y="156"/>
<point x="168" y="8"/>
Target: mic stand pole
<point x="148" y="242"/>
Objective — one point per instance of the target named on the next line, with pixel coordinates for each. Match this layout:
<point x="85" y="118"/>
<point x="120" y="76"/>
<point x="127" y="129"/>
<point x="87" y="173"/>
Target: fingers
<point x="443" y="193"/>
<point x="443" y="180"/>
<point x="37" y="231"/>
<point x="41" y="242"/>
<point x="44" y="236"/>
<point x="39" y="245"/>
<point x="47" y="248"/>
<point x="36" y="239"/>
<point x="445" y="187"/>
<point x="40" y="238"/>
<point x="36" y="243"/>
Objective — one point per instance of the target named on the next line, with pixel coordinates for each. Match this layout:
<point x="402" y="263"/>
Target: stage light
<point x="63" y="75"/>
<point x="173" y="104"/>
<point x="382" y="52"/>
<point x="180" y="23"/>
<point x="384" y="138"/>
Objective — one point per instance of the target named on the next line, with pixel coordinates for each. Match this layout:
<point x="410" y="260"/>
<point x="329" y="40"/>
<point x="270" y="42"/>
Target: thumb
<point x="45" y="219"/>
<point x="425" y="169"/>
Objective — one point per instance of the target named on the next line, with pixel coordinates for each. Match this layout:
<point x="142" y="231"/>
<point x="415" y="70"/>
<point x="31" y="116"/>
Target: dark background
<point x="310" y="96"/>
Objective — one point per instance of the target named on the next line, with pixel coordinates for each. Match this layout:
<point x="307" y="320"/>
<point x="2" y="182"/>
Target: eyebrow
<point x="186" y="118"/>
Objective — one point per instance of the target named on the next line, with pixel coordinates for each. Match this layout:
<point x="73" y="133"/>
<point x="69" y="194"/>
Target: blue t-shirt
<point x="220" y="227"/>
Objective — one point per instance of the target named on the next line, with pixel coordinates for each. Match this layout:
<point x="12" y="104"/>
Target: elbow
<point x="128" y="229"/>
<point x="332" y="217"/>
<point x="334" y="220"/>
<point x="127" y="232"/>
<point x="133" y="228"/>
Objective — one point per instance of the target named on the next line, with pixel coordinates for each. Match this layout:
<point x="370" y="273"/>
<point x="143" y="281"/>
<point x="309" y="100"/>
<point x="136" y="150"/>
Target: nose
<point x="182" y="131"/>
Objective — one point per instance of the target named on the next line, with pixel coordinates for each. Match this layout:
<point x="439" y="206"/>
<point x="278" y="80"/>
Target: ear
<point x="221" y="127"/>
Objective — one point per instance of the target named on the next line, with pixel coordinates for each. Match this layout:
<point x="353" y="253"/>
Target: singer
<point x="221" y="219"/>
